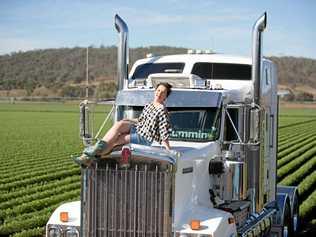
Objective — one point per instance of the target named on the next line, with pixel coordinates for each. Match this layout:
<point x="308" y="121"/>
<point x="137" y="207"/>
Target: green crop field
<point x="296" y="164"/>
<point x="37" y="173"/>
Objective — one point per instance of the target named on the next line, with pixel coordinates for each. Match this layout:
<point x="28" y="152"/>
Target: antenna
<point x="87" y="73"/>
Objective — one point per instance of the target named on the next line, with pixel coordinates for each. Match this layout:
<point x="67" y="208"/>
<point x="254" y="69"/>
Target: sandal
<point x="83" y="160"/>
<point x="96" y="149"/>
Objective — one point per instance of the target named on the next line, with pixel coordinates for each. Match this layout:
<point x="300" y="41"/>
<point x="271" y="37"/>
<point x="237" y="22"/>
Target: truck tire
<point x="287" y="221"/>
<point x="292" y="192"/>
<point x="295" y="215"/>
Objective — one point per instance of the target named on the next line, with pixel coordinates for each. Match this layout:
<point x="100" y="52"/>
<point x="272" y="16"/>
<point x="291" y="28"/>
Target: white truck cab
<point x="221" y="179"/>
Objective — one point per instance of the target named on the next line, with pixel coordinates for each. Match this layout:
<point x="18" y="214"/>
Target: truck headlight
<point x="72" y="232"/>
<point x="55" y="231"/>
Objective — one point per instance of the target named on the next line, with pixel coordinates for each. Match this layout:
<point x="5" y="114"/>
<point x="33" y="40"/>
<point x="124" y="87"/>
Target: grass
<point x="37" y="140"/>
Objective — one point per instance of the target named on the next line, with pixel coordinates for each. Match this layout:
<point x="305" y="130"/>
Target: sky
<point x="221" y="25"/>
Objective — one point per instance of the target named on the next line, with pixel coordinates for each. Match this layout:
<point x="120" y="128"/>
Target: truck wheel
<point x="287" y="221"/>
<point x="295" y="217"/>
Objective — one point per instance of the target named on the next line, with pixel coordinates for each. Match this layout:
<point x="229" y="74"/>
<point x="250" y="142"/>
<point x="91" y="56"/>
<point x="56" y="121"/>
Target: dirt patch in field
<point x="294" y="105"/>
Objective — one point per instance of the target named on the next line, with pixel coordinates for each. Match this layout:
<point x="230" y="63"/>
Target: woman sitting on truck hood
<point x="152" y="125"/>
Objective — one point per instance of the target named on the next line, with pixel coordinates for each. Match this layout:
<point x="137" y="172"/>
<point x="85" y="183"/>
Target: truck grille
<point x="127" y="202"/>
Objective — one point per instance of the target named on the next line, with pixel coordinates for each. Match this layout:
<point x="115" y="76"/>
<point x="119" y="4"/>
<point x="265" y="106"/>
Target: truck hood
<point x="192" y="180"/>
<point x="198" y="150"/>
<point x="158" y="152"/>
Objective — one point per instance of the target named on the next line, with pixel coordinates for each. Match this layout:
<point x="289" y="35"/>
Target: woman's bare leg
<point x="121" y="127"/>
<point x="121" y="140"/>
<point x="117" y="135"/>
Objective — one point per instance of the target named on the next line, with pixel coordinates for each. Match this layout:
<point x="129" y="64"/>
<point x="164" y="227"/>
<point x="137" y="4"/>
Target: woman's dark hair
<point x="167" y="85"/>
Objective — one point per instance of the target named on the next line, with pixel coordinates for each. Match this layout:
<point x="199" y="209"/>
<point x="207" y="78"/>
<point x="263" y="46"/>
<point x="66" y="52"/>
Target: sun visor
<point x="177" y="98"/>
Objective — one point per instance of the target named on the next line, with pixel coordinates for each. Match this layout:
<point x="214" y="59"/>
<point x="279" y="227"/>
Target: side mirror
<point x="85" y="126"/>
<point x="213" y="133"/>
<point x="254" y="125"/>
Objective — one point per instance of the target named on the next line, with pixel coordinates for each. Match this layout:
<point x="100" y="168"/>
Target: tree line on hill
<point x="62" y="72"/>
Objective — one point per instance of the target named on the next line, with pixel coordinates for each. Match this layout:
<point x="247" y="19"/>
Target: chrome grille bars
<point x="128" y="202"/>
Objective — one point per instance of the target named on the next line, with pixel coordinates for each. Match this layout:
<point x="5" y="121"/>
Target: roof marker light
<point x="191" y="51"/>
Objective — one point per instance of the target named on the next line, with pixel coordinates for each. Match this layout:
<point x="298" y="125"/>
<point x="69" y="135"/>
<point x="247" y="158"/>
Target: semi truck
<point x="219" y="180"/>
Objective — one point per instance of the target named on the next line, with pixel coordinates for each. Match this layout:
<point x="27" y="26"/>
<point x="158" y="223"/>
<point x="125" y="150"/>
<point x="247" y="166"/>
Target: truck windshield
<point x="188" y="124"/>
<point x="144" y="70"/>
<point x="194" y="124"/>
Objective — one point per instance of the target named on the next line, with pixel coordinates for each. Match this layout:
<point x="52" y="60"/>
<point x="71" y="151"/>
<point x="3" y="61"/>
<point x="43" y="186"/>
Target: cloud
<point x="10" y="45"/>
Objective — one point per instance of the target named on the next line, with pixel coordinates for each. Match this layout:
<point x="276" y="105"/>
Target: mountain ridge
<point x="62" y="72"/>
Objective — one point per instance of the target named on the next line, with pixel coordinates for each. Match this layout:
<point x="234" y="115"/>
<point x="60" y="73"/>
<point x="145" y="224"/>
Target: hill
<point x="62" y="72"/>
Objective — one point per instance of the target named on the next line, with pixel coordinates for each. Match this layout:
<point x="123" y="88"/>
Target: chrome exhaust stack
<point x="122" y="52"/>
<point x="257" y="30"/>
<point x="255" y="160"/>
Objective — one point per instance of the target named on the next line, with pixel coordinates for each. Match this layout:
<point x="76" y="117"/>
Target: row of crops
<point x="36" y="171"/>
<point x="37" y="174"/>
<point x="296" y="163"/>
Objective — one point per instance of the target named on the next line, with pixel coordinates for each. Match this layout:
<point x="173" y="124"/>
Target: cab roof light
<point x="191" y="51"/>
<point x="200" y="51"/>
<point x="64" y="217"/>
<point x="195" y="224"/>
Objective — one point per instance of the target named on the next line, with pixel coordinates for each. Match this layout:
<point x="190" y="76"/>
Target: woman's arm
<point x="166" y="144"/>
<point x="174" y="153"/>
<point x="163" y="127"/>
